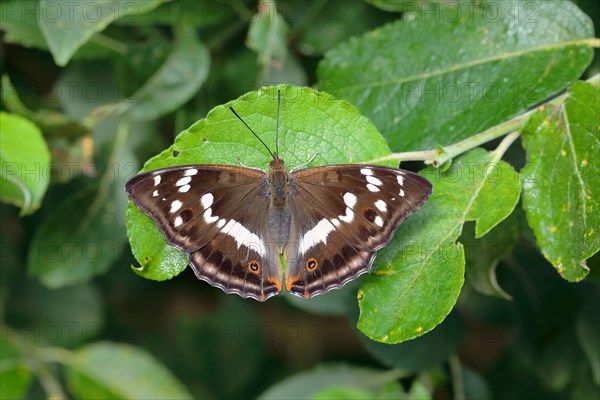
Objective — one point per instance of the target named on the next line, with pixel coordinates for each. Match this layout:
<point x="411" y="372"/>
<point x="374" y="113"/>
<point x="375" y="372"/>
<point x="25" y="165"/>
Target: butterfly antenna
<point x="277" y="126"/>
<point x="254" y="133"/>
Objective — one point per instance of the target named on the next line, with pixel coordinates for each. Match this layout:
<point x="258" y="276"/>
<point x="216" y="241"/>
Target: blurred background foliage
<point x="77" y="322"/>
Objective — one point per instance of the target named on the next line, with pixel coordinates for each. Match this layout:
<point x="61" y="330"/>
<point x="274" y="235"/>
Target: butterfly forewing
<point x="213" y="213"/>
<point x="341" y="215"/>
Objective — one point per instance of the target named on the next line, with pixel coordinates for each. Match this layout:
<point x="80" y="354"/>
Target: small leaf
<point x="442" y="76"/>
<point x="67" y="25"/>
<point x="267" y="35"/>
<point x="307" y="384"/>
<point x="24" y="163"/>
<point x="109" y="370"/>
<point x="562" y="198"/>
<point x="311" y="122"/>
<point x="418" y="276"/>
<point x="175" y="82"/>
<point x="15" y="374"/>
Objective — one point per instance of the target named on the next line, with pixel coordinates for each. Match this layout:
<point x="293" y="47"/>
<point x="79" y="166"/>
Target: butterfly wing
<point x="204" y="210"/>
<point x="341" y="215"/>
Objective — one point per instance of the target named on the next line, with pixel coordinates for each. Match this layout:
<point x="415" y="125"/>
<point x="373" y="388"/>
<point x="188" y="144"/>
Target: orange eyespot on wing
<point x="254" y="267"/>
<point x="311" y="264"/>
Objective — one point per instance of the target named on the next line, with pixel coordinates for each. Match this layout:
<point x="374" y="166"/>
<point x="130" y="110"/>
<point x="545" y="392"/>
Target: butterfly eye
<point x="311" y="264"/>
<point x="254" y="267"/>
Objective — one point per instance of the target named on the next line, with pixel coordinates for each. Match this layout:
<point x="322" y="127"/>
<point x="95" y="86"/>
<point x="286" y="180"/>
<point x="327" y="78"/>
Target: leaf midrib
<point x="590" y="42"/>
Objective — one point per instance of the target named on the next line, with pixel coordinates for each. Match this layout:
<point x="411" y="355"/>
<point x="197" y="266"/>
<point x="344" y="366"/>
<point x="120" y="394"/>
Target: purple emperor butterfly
<point x="235" y="222"/>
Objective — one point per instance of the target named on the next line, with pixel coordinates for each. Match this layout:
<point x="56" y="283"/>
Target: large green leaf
<point x="562" y="197"/>
<point x="311" y="122"/>
<point x="117" y="371"/>
<point x="67" y="25"/>
<point x="24" y="163"/>
<point x="418" y="276"/>
<point x="439" y="77"/>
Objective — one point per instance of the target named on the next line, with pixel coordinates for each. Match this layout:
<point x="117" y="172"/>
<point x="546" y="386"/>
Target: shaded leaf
<point x="418" y="276"/>
<point x="307" y="384"/>
<point x="438" y="78"/>
<point x="175" y="82"/>
<point x="267" y="35"/>
<point x="109" y="370"/>
<point x="310" y="122"/>
<point x="483" y="255"/>
<point x="83" y="236"/>
<point x="422" y="353"/>
<point x="587" y="328"/>
<point x="24" y="163"/>
<point x="67" y="25"/>
<point x="562" y="198"/>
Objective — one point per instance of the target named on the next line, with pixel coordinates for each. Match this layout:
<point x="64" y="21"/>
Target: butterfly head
<point x="278" y="177"/>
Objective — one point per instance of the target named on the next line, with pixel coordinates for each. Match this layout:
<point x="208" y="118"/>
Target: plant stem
<point x="441" y="155"/>
<point x="457" y="379"/>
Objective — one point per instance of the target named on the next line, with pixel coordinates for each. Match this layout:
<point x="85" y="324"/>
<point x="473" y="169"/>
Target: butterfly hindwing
<point x="341" y="215"/>
<point x="205" y="211"/>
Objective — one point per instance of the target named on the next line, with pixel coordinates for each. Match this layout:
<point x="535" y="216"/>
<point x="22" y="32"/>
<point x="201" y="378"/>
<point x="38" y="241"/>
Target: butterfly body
<point x="235" y="222"/>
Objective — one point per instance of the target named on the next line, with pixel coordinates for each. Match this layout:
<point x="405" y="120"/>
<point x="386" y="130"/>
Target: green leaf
<point x="438" y="78"/>
<point x="562" y="198"/>
<point x="411" y="5"/>
<point x="483" y="255"/>
<point x="307" y="384"/>
<point x="68" y="25"/>
<point x="418" y="276"/>
<point x="267" y="35"/>
<point x="343" y="393"/>
<point x="15" y="374"/>
<point x="24" y="163"/>
<point x="175" y="82"/>
<point x="311" y="122"/>
<point x="587" y="328"/>
<point x="83" y="236"/>
<point x="109" y="370"/>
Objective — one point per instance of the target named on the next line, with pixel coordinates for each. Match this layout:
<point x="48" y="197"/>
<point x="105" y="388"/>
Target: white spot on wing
<point x="349" y="215"/>
<point x="157" y="179"/>
<point x="175" y="205"/>
<point x="374" y="181"/>
<point x="378" y="221"/>
<point x="401" y="192"/>
<point x="191" y="172"/>
<point x="183" y="181"/>
<point x="221" y="223"/>
<point x="381" y="206"/>
<point x="400" y="180"/>
<point x="243" y="236"/>
<point x="350" y="199"/>
<point x="155" y="193"/>
<point x="178" y="221"/>
<point x="208" y="218"/>
<point x="366" y="171"/>
<point x="335" y="221"/>
<point x="372" y="187"/>
<point x="318" y="233"/>
<point x="207" y="200"/>
<point x="184" y="188"/>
